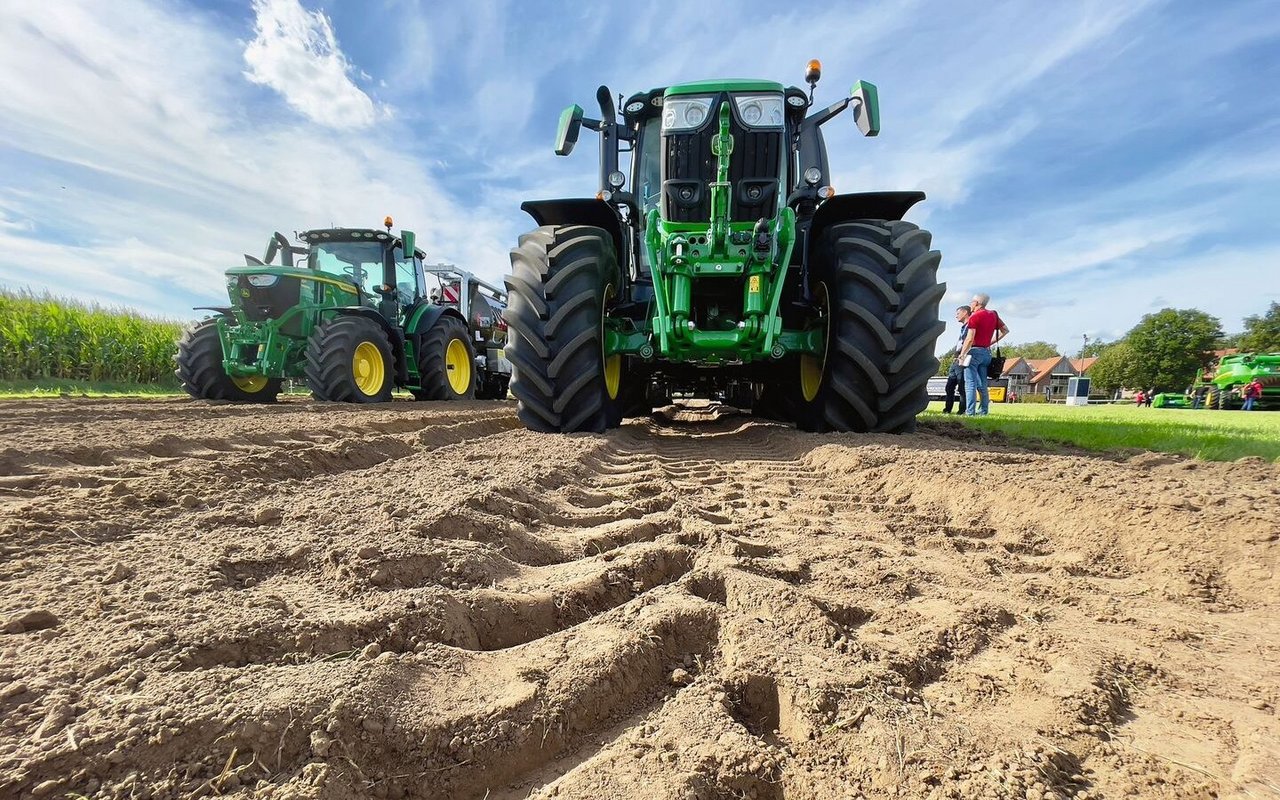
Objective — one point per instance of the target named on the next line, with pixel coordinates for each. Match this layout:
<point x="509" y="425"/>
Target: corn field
<point x="48" y="337"/>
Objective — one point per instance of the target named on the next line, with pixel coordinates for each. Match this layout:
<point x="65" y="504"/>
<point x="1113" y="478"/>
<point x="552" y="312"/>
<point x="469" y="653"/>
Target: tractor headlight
<point x="262" y="281"/>
<point x="685" y="113"/>
<point x="759" y="110"/>
<point x="812" y="176"/>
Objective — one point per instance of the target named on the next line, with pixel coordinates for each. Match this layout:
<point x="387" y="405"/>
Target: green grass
<point x="44" y="338"/>
<point x="57" y="387"/>
<point x="1203" y="434"/>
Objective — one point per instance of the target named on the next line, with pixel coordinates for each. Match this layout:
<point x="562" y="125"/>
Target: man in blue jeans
<point x="954" y="394"/>
<point x="985" y="329"/>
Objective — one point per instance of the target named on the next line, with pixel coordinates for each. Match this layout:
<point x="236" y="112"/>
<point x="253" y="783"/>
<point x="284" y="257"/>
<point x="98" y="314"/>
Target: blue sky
<point x="1086" y="162"/>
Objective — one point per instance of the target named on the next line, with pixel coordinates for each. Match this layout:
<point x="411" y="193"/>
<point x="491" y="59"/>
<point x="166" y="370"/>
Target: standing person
<point x="1151" y="393"/>
<point x="1139" y="399"/>
<point x="955" y="372"/>
<point x="985" y="329"/>
<point x="1252" y="393"/>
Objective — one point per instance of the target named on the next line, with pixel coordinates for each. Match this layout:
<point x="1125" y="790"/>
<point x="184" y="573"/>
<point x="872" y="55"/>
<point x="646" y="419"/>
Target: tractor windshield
<point x="360" y="261"/>
<point x="649" y="167"/>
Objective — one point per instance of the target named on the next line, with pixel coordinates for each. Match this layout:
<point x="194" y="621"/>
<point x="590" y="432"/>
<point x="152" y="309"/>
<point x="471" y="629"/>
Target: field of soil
<point x="427" y="601"/>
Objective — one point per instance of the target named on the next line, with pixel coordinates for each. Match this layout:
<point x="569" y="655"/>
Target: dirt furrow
<point x="312" y="601"/>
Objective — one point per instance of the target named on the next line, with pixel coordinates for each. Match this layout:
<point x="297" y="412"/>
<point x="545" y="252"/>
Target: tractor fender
<point x="425" y="316"/>
<point x="394" y="334"/>
<point x="225" y="311"/>
<point x="580" y="211"/>
<point x="861" y="205"/>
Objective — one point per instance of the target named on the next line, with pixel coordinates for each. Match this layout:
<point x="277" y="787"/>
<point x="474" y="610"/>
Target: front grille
<point x="261" y="303"/>
<point x="689" y="169"/>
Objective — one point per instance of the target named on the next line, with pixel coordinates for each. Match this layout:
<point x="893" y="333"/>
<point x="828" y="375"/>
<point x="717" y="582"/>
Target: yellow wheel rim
<point x="250" y="383"/>
<point x="613" y="363"/>
<point x="612" y="375"/>
<point x="368" y="368"/>
<point x="457" y="365"/>
<point x="811" y="367"/>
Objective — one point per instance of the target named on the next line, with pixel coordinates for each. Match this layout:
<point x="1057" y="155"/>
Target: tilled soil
<point x="425" y="600"/>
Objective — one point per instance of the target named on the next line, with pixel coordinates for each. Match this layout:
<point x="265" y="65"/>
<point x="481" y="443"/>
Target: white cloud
<point x="296" y="53"/>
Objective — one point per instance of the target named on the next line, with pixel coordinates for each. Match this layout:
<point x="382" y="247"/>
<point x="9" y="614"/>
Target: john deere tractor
<point x="355" y="319"/>
<point x="723" y="265"/>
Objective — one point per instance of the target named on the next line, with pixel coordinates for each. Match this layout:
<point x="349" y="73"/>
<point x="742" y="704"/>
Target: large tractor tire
<point x="349" y="361"/>
<point x="446" y="362"/>
<point x="562" y="279"/>
<point x="199" y="369"/>
<point x="877" y="283"/>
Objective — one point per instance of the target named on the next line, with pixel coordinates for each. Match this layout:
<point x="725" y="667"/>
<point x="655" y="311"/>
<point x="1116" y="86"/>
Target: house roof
<point x="1012" y="364"/>
<point x="1082" y="365"/>
<point x="1042" y="368"/>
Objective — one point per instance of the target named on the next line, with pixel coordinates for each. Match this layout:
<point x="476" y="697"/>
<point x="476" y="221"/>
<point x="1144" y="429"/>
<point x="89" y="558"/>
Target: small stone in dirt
<point x="300" y="552"/>
<point x="48" y="787"/>
<point x="371" y="651"/>
<point x="268" y="515"/>
<point x="380" y="577"/>
<point x="371" y="725"/>
<point x="118" y="573"/>
<point x="151" y="595"/>
<point x="189" y="588"/>
<point x="30" y="619"/>
<point x="320" y="744"/>
<point x="1261" y="705"/>
<point x="54" y="721"/>
<point x="368" y="552"/>
<point x="680" y="677"/>
<point x="188" y="501"/>
<point x="13" y="690"/>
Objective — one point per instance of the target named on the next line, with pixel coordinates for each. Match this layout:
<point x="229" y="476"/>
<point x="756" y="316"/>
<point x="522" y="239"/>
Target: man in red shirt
<point x="985" y="329"/>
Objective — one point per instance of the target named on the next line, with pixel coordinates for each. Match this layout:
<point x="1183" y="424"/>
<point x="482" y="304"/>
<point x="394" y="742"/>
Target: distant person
<point x="1151" y="393"/>
<point x="1252" y="393"/>
<point x="955" y="373"/>
<point x="985" y="329"/>
<point x="1140" y="399"/>
<point x="1197" y="397"/>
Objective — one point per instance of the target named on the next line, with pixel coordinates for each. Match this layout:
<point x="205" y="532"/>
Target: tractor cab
<point x="373" y="262"/>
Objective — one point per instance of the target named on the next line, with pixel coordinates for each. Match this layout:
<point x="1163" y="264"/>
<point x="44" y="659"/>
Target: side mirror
<point x="866" y="110"/>
<point x="409" y="241"/>
<point x="567" y="133"/>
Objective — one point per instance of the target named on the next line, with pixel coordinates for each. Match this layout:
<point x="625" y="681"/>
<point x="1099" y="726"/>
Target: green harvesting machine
<point x="1234" y="372"/>
<point x="723" y="265"/>
<point x="359" y="315"/>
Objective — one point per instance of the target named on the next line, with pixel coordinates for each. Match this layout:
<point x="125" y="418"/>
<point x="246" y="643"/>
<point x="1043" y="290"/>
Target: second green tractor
<point x="724" y="265"/>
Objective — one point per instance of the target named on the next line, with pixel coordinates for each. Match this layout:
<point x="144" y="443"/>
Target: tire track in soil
<point x="700" y="605"/>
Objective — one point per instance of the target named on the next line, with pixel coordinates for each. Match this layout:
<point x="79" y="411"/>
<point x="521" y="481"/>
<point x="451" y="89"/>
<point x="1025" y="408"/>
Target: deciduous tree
<point x="1262" y="332"/>
<point x="1171" y="347"/>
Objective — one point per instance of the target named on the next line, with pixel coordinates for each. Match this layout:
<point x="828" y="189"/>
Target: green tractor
<point x="723" y="266"/>
<point x="355" y="319"/>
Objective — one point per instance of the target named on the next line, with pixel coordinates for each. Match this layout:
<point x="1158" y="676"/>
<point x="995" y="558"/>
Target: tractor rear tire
<point x="199" y="369"/>
<point x="562" y="278"/>
<point x="447" y="362"/>
<point x="879" y="282"/>
<point x="349" y="361"/>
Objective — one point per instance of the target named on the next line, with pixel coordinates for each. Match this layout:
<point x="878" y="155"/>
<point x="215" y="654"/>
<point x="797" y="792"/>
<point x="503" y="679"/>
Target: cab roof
<point x="724" y="85"/>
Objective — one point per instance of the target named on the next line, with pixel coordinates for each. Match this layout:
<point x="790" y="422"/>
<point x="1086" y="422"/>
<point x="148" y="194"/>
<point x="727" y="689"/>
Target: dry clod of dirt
<point x="310" y="601"/>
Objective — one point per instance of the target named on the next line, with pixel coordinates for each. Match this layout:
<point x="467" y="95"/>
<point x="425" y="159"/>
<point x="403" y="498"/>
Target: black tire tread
<point x="433" y="375"/>
<point x="328" y="360"/>
<point x="198" y="367"/>
<point x="555" y="294"/>
<point x="884" y="303"/>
